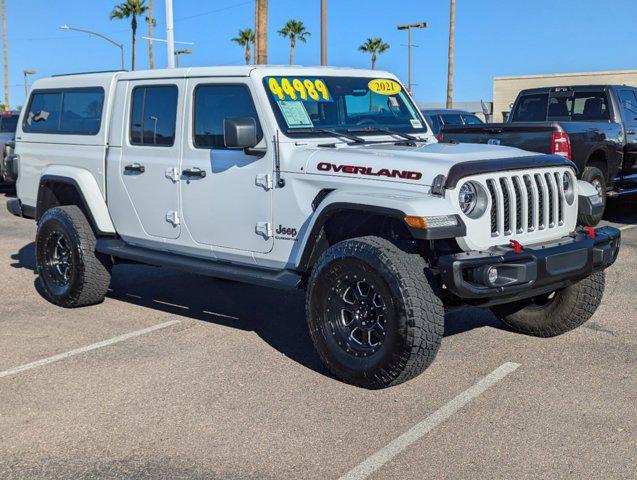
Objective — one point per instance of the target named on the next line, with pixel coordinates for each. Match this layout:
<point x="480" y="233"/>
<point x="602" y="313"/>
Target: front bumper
<point x="500" y="275"/>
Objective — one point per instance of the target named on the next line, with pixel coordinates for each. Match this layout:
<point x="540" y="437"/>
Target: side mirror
<point x="240" y="132"/>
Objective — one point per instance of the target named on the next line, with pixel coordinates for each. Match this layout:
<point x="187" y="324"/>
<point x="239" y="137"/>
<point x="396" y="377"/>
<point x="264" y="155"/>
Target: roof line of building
<point x="574" y="74"/>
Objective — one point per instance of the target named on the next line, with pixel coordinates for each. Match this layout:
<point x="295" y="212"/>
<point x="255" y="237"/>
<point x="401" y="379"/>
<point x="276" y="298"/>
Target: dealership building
<point x="506" y="89"/>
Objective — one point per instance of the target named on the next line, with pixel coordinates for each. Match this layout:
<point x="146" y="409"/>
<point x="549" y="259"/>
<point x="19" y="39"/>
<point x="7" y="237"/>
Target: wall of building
<point x="506" y="89"/>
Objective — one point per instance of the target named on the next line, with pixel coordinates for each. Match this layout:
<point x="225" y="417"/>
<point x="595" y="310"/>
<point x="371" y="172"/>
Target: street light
<point x="104" y="37"/>
<point x="26" y="82"/>
<point x="185" y="51"/>
<point x="408" y="27"/>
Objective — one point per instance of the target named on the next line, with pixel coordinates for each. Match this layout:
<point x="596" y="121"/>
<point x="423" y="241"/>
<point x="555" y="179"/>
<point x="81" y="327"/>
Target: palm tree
<point x="6" y="57"/>
<point x="452" y="33"/>
<point x="375" y="46"/>
<point x="130" y="9"/>
<point x="151" y="24"/>
<point x="294" y="30"/>
<point x="245" y="39"/>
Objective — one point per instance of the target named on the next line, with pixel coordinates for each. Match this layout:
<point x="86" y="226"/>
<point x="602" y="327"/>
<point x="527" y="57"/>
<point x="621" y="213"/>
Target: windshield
<point x="312" y="105"/>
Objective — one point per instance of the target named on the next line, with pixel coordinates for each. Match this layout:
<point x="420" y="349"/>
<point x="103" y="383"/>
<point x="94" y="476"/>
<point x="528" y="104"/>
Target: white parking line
<point x="626" y="227"/>
<point x="387" y="453"/>
<point x="88" y="348"/>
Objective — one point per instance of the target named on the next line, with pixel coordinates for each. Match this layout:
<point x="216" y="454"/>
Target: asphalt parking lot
<point x="182" y="376"/>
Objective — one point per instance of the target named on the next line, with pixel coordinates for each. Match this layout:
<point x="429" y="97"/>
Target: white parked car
<point x="325" y="179"/>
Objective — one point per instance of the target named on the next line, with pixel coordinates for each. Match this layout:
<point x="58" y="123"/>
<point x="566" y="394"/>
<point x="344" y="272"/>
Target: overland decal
<point x="369" y="171"/>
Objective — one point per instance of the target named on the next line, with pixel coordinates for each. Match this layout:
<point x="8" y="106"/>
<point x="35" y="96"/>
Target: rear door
<point x="628" y="100"/>
<point x="150" y="157"/>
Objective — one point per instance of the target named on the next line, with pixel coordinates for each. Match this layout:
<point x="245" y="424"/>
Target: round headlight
<point x="468" y="198"/>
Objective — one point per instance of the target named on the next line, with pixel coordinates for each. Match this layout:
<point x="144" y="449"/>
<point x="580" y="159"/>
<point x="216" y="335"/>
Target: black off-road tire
<point x="566" y="310"/>
<point x="89" y="272"/>
<point x="414" y="313"/>
<point x="593" y="174"/>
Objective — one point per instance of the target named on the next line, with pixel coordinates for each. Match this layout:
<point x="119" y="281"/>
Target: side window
<point x="589" y="106"/>
<point x="82" y="111"/>
<point x="629" y="102"/>
<point x="69" y="111"/>
<point x="472" y="120"/>
<point x="215" y="103"/>
<point x="531" y="108"/>
<point x="44" y="112"/>
<point x="154" y="115"/>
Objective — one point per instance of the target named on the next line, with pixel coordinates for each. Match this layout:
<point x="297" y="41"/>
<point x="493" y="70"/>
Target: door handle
<point x="194" y="172"/>
<point x="135" y="167"/>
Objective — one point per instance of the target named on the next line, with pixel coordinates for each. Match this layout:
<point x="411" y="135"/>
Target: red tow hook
<point x="517" y="246"/>
<point x="591" y="231"/>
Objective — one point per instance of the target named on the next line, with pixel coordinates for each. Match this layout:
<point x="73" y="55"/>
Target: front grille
<point x="526" y="202"/>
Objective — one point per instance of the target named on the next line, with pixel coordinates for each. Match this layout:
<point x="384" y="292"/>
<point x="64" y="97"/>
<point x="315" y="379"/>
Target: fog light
<point x="492" y="275"/>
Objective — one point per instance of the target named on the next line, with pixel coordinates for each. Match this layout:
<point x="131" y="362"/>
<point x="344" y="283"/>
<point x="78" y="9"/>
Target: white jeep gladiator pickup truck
<point x="325" y="179"/>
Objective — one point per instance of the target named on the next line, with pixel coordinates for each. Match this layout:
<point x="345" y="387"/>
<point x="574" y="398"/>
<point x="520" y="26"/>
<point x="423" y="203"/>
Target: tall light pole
<point x="170" y="34"/>
<point x="408" y="27"/>
<point x="104" y="37"/>
<point x="452" y="34"/>
<point x="26" y="83"/>
<point x="324" y="32"/>
<point x="5" y="56"/>
<point x="185" y="51"/>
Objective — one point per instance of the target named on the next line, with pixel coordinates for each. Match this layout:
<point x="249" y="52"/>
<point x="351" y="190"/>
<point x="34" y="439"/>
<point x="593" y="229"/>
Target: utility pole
<point x="452" y="34"/>
<point x="151" y="20"/>
<point x="170" y="34"/>
<point x="26" y="83"/>
<point x="262" y="32"/>
<point x="408" y="27"/>
<point x="324" y="32"/>
<point x="6" y="56"/>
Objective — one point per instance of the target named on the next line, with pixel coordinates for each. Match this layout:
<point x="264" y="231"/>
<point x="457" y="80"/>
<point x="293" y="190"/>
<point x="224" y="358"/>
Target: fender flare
<point x="324" y="214"/>
<point x="89" y="192"/>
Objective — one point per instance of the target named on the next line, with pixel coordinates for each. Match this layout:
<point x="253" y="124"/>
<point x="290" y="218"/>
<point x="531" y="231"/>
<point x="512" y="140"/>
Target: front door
<point x="226" y="194"/>
<point x="628" y="100"/>
<point x="151" y="150"/>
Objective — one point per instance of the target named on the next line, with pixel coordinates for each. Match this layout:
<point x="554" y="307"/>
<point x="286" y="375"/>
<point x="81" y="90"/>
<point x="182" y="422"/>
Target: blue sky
<point x="493" y="37"/>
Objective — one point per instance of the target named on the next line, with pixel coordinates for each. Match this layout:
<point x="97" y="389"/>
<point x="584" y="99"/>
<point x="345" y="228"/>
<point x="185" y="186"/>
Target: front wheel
<point x="557" y="312"/>
<point x="372" y="312"/>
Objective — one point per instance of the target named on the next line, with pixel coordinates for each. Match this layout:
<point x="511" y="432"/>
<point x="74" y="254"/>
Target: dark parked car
<point x="8" y="126"/>
<point x="437" y="118"/>
<point x="593" y="125"/>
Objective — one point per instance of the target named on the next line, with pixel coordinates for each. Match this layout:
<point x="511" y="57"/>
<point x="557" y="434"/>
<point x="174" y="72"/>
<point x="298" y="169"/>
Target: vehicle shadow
<point x="276" y="316"/>
<point x="7" y="190"/>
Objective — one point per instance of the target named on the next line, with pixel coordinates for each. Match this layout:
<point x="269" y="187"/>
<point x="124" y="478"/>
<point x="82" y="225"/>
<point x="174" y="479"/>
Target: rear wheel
<point x="556" y="312"/>
<point x="374" y="318"/>
<point x="71" y="272"/>
<point x="595" y="176"/>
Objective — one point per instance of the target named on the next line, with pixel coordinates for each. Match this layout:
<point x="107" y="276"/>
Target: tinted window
<point x="590" y="106"/>
<point x="629" y="101"/>
<point x="9" y="123"/>
<point x="471" y="120"/>
<point x="154" y="115"/>
<point x="71" y="111"/>
<point x="531" y="108"/>
<point x="434" y="122"/>
<point x="44" y="113"/>
<point x="451" y="119"/>
<point x="215" y="103"/>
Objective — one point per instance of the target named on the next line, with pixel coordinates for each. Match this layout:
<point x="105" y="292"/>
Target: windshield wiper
<point x="388" y="131"/>
<point x="336" y="133"/>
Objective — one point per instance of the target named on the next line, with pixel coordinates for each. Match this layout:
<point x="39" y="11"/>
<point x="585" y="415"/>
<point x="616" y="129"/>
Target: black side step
<point x="229" y="271"/>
